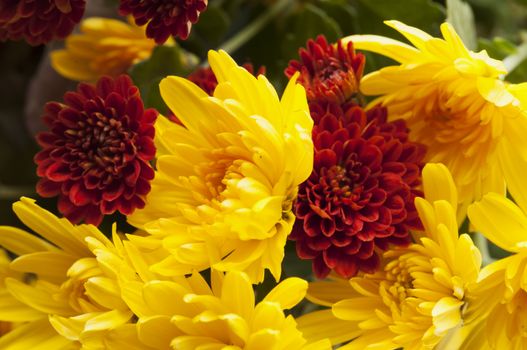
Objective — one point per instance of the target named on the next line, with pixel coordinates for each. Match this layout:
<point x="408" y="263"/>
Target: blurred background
<point x="265" y="33"/>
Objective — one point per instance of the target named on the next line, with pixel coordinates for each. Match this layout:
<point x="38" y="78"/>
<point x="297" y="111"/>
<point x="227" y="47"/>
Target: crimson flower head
<point x="164" y="17"/>
<point x="95" y="156"/>
<point x="39" y="21"/>
<point x="359" y="198"/>
<point x="328" y="72"/>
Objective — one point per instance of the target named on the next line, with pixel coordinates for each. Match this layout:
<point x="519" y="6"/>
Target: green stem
<point x="15" y="192"/>
<point x="511" y="62"/>
<point x="252" y="29"/>
<point x="481" y="242"/>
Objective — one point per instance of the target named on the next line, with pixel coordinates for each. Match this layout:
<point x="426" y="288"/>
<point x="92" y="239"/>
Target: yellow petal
<point x="288" y="293"/>
<point x="438" y="184"/>
<point x="500" y="220"/>
<point x="393" y="49"/>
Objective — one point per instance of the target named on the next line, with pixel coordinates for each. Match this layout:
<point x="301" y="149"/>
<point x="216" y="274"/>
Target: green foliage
<point x="165" y="60"/>
<point x="460" y="15"/>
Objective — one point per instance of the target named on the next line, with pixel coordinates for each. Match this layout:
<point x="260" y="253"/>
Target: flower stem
<point x="15" y="192"/>
<point x="252" y="29"/>
<point x="511" y="62"/>
<point x="481" y="242"/>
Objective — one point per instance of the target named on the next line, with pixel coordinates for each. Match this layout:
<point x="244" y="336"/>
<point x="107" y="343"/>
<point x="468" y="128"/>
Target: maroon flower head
<point x="359" y="198"/>
<point x="95" y="157"/>
<point x="164" y="17"/>
<point x="39" y="21"/>
<point x="328" y="72"/>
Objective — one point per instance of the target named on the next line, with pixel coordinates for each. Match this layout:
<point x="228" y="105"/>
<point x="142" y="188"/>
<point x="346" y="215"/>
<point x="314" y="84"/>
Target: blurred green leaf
<point x="165" y="60"/>
<point x="460" y="15"/>
<point x="341" y="12"/>
<point x="212" y="25"/>
<point x="423" y="14"/>
<point x="309" y="22"/>
<point x="497" y="48"/>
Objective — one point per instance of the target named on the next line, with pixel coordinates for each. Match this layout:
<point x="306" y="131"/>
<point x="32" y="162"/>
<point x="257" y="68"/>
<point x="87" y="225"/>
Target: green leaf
<point x="423" y="14"/>
<point x="309" y="22"/>
<point x="165" y="60"/>
<point x="460" y="15"/>
<point x="212" y="25"/>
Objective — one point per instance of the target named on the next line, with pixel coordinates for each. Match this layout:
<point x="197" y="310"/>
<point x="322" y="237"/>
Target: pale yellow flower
<point x="502" y="288"/>
<point x="188" y="314"/>
<point x="70" y="293"/>
<point x="418" y="297"/>
<point x="454" y="102"/>
<point x="226" y="180"/>
<point x="105" y="46"/>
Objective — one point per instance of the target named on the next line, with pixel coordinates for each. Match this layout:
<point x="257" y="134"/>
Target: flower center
<point x="340" y="183"/>
<point x="98" y="145"/>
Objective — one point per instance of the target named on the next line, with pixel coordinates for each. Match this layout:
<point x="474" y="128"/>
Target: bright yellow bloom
<point x="419" y="295"/>
<point x="188" y="314"/>
<point x="225" y="182"/>
<point x="456" y="104"/>
<point x="502" y="286"/>
<point x="104" y="47"/>
<point x="71" y="279"/>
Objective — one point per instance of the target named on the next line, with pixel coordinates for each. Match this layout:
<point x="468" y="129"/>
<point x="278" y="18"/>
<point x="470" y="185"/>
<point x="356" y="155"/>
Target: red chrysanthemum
<point x="206" y="80"/>
<point x="164" y="17"/>
<point x="359" y="198"/>
<point x="96" y="155"/>
<point x="39" y="21"/>
<point x="328" y="72"/>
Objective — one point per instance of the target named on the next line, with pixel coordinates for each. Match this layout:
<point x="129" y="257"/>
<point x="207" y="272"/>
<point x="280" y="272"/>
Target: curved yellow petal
<point x="500" y="220"/>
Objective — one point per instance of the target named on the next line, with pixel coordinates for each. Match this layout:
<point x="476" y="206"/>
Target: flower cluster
<point x="359" y="198"/>
<point x="373" y="194"/>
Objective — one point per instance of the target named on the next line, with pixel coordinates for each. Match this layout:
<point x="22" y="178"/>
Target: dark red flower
<point x="359" y="198"/>
<point x="96" y="155"/>
<point x="328" y="72"/>
<point x="164" y="17"/>
<point x="39" y="21"/>
<point x="206" y="80"/>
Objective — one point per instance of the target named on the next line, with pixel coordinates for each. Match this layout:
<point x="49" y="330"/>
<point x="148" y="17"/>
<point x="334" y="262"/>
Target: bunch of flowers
<point x="372" y="191"/>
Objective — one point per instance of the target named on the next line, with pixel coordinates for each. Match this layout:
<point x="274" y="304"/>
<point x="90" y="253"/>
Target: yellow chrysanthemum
<point x="188" y="314"/>
<point x="225" y="182"/>
<point x="420" y="293"/>
<point x="71" y="283"/>
<point x="503" y="285"/>
<point x="456" y="104"/>
<point x="104" y="47"/>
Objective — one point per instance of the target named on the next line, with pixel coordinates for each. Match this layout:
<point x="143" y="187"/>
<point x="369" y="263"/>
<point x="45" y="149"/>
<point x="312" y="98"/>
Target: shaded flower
<point x="225" y="182"/>
<point x="359" y="198"/>
<point x="328" y="72"/>
<point x="39" y="21"/>
<point x="419" y="297"/>
<point x="164" y="18"/>
<point x="190" y="315"/>
<point x="502" y="289"/>
<point x="456" y="104"/>
<point x="95" y="157"/>
<point x="104" y="47"/>
<point x="72" y="287"/>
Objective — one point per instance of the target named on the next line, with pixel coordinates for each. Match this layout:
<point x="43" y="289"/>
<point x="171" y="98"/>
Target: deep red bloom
<point x="39" y="21"/>
<point x="360" y="195"/>
<point x="328" y="72"/>
<point x="164" y="17"/>
<point x="96" y="155"/>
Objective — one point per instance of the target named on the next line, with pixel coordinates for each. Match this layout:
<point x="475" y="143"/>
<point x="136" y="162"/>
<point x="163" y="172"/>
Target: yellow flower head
<point x="225" y="181"/>
<point x="454" y="103"/>
<point x="188" y="314"/>
<point x="70" y="279"/>
<point x="104" y="47"/>
<point x="419" y="295"/>
<point x="502" y="288"/>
